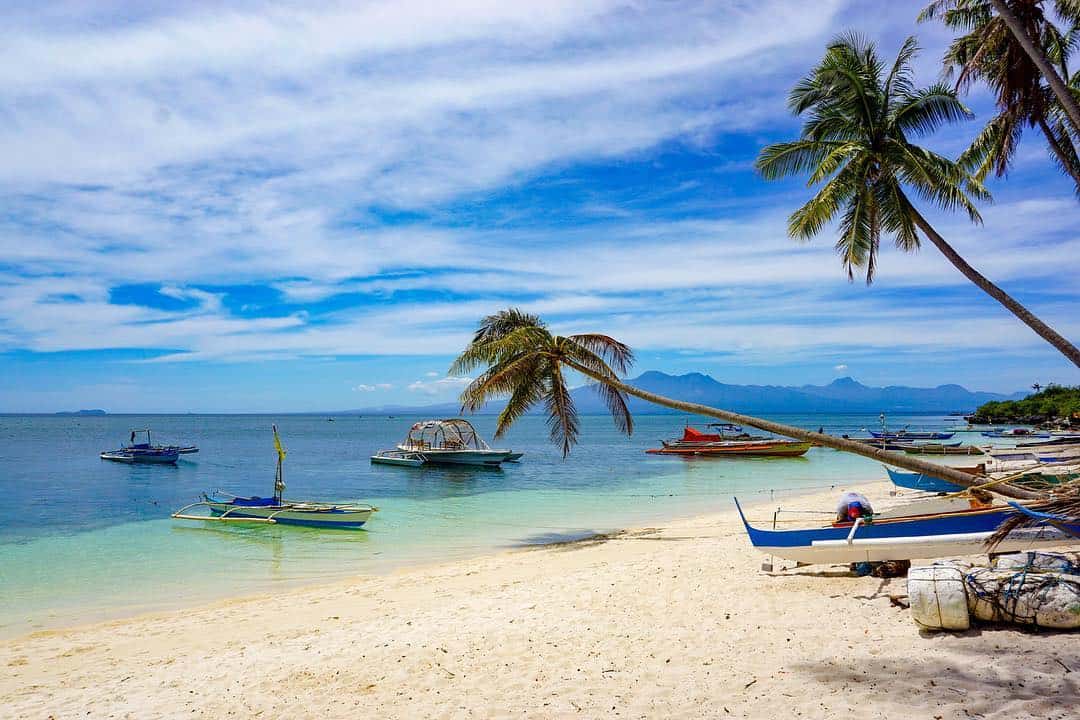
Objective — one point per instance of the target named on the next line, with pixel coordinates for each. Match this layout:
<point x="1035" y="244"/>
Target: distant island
<point x="841" y="395"/>
<point x="1056" y="404"/>
<point x="82" y="412"/>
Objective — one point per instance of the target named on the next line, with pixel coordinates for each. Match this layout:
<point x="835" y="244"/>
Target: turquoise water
<point x="83" y="539"/>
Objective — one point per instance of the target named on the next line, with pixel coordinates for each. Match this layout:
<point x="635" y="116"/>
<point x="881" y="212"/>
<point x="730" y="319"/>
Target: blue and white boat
<point x="147" y="452"/>
<point x="1016" y="433"/>
<point x="920" y="481"/>
<point x="226" y="507"/>
<point x="909" y="534"/>
<point x="911" y="435"/>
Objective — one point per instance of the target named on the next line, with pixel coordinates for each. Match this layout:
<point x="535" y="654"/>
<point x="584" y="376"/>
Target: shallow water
<point x="83" y="539"/>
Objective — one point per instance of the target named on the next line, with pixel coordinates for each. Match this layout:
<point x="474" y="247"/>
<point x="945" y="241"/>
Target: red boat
<point x="694" y="442"/>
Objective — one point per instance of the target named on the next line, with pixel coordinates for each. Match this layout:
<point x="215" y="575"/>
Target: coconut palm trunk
<point x="1026" y="316"/>
<point x="844" y="445"/>
<point x="1061" y="90"/>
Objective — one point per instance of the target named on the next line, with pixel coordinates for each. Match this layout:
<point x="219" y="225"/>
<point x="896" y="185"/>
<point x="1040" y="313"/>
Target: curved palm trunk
<point x="1067" y="160"/>
<point x="1037" y="56"/>
<point x="903" y="461"/>
<point x="1041" y="329"/>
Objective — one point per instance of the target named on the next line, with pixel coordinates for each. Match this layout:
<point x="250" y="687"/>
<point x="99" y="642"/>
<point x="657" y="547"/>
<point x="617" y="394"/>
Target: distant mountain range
<point x="841" y="395"/>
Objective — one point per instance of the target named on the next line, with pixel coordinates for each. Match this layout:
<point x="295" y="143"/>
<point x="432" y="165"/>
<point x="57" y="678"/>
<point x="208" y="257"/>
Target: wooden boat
<point x="942" y="449"/>
<point x="225" y="507"/>
<point x="452" y="442"/>
<point x="398" y="457"/>
<point x="901" y="537"/>
<point x="745" y="448"/>
<point x="1015" y="432"/>
<point x="1067" y="454"/>
<point x="911" y="435"/>
<point x="927" y="483"/>
<point x="882" y="444"/>
<point x="147" y="452"/>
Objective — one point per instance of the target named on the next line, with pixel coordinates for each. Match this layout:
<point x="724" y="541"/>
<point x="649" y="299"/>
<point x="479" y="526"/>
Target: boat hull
<point x="919" y="481"/>
<point x="793" y="449"/>
<point x="399" y="458"/>
<point x="142" y="458"/>
<point x="901" y="538"/>
<point x="904" y="435"/>
<point x="486" y="458"/>
<point x="324" y="518"/>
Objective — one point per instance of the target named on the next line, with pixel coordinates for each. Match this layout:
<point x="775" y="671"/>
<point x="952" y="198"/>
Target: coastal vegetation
<point x="1056" y="403"/>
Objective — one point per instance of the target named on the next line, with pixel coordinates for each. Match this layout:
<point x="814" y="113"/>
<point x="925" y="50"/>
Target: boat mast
<point x="279" y="478"/>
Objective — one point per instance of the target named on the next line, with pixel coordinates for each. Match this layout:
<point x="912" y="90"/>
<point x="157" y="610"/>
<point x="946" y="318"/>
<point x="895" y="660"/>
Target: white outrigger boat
<point x="453" y="442"/>
<point x="225" y="507"/>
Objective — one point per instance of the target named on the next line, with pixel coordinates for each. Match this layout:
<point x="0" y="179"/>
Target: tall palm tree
<point x="988" y="51"/>
<point x="522" y="360"/>
<point x="856" y="142"/>
<point x="1067" y="8"/>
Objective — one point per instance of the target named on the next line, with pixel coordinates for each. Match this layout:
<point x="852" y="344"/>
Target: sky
<point x="308" y="206"/>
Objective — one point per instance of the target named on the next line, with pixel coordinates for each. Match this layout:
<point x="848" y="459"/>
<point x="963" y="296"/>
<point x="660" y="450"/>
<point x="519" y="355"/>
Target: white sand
<point x="656" y="623"/>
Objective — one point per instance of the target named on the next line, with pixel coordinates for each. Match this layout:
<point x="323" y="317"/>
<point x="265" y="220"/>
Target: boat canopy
<point x="451" y="434"/>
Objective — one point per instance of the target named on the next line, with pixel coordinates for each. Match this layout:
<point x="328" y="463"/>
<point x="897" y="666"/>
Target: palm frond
<point x="497" y="348"/>
<point x="562" y="415"/>
<point x="608" y="349"/>
<point x="923" y="111"/>
<point x="782" y="159"/>
<point x="529" y="390"/>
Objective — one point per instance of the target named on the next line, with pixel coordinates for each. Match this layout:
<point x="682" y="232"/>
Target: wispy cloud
<point x="312" y="179"/>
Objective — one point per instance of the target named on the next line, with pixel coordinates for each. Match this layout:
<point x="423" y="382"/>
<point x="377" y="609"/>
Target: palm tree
<point x="1067" y="8"/>
<point x="856" y="142"/>
<point x="522" y="360"/>
<point x="989" y="52"/>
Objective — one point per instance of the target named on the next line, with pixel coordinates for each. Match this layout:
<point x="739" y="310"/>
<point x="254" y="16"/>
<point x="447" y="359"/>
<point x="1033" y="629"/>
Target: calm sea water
<point x="83" y="539"/>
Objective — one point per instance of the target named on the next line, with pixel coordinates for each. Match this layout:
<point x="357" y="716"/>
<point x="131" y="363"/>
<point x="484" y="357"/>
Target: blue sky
<point x="305" y="206"/>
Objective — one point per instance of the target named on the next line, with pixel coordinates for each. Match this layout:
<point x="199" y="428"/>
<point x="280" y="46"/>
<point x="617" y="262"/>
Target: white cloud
<point x="372" y="388"/>
<point x="840" y="368"/>
<point x="432" y="374"/>
<point x="441" y="386"/>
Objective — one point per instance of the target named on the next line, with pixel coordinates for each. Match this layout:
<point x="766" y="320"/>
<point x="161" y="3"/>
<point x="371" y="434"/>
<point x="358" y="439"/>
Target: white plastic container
<point x="938" y="597"/>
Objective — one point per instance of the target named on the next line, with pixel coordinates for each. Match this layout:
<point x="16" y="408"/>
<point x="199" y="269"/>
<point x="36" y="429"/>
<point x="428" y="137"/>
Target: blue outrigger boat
<point x="910" y="435"/>
<point x="224" y="507"/>
<point x="147" y="452"/>
<point x="917" y="535"/>
<point x="919" y="481"/>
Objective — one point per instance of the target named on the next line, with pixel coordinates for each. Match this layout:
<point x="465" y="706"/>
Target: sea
<point x="83" y="539"/>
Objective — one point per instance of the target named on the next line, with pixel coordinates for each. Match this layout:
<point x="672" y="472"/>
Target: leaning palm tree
<point x="522" y="360"/>
<point x="855" y="142"/>
<point x="989" y="52"/>
<point x="1070" y="9"/>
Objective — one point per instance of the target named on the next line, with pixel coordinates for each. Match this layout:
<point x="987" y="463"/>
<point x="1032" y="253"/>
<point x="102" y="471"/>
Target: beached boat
<point x="398" y="457"/>
<point x="226" y="507"/>
<point x="928" y="483"/>
<point x="921" y="535"/>
<point x="452" y="442"/>
<point x="751" y="448"/>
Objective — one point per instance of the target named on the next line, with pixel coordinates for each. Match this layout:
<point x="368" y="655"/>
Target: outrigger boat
<point x="894" y="536"/>
<point x="746" y="448"/>
<point x="452" y="442"/>
<point x="927" y="483"/>
<point x="910" y="435"/>
<point x="1016" y="432"/>
<point x="225" y="507"/>
<point x="942" y="449"/>
<point x="145" y="452"/>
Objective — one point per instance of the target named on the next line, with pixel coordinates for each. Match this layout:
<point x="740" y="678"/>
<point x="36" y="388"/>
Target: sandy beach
<point x="672" y="621"/>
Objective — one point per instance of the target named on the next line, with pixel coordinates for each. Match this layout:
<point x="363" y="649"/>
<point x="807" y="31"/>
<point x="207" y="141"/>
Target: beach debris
<point x="1034" y="589"/>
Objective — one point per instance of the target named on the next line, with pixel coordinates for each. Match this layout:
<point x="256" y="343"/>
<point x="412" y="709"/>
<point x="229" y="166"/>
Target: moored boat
<point x="928" y="483"/>
<point x="1016" y="432"/>
<point x="453" y="441"/>
<point x="226" y="507"/>
<point x="142" y="456"/>
<point x="752" y="448"/>
<point x="942" y="449"/>
<point x="911" y="435"/>
<point x="398" y="457"/>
